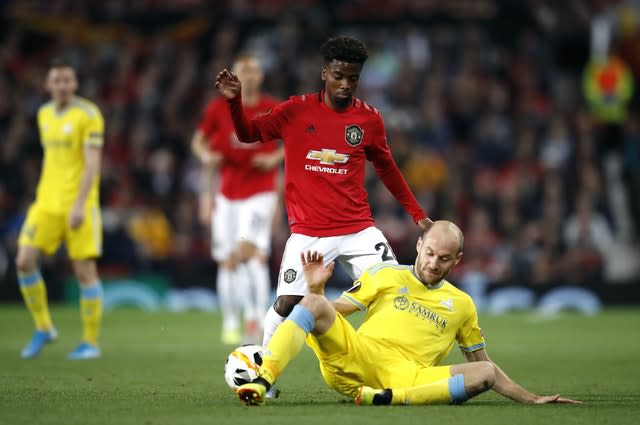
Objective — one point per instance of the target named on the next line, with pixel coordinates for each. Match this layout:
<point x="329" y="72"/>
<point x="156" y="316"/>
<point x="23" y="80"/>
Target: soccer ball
<point x="242" y="365"/>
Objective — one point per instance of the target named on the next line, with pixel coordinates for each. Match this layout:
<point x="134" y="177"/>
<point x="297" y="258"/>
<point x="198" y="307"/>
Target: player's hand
<point x="228" y="84"/>
<point x="76" y="216"/>
<point x="555" y="399"/>
<point x="265" y="161"/>
<point x="315" y="272"/>
<point x="425" y="224"/>
<point x="210" y="159"/>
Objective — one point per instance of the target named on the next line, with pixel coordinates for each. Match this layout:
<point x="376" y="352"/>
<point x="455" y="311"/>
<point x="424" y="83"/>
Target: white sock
<point x="260" y="286"/>
<point x="244" y="289"/>
<point x="226" y="300"/>
<point x="271" y="322"/>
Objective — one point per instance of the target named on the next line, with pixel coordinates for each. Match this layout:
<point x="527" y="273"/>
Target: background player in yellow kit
<point x="414" y="316"/>
<point x="66" y="209"/>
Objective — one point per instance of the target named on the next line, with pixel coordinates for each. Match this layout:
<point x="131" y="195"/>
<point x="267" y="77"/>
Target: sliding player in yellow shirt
<point x="66" y="209"/>
<point x="414" y="317"/>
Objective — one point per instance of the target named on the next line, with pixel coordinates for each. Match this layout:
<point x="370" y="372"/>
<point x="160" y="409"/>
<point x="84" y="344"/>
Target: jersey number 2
<point x="387" y="252"/>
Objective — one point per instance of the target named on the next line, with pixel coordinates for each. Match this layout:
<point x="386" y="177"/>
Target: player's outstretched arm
<point x="229" y="86"/>
<point x="391" y="176"/>
<point x="507" y="388"/>
<point x="315" y="272"/>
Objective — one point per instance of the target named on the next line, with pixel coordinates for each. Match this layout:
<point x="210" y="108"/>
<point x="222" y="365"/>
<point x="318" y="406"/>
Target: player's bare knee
<point x="85" y="271"/>
<point x="285" y="303"/>
<point x="316" y="304"/>
<point x="244" y="251"/>
<point x="486" y="376"/>
<point x="25" y="263"/>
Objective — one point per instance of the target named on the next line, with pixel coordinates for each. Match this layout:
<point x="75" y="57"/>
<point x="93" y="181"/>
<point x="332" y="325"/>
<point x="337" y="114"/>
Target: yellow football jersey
<point x="63" y="135"/>
<point x="421" y="323"/>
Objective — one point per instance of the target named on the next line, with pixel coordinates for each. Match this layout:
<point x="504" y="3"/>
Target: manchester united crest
<point x="290" y="275"/>
<point x="353" y="135"/>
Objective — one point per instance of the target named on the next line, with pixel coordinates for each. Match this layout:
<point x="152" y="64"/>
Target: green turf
<point x="164" y="368"/>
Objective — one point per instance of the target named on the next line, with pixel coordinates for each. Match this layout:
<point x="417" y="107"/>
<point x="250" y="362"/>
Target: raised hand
<point x="315" y="271"/>
<point x="228" y="84"/>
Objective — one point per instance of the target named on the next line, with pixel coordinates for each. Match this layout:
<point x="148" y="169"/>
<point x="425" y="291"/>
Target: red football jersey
<point x="325" y="154"/>
<point x="238" y="178"/>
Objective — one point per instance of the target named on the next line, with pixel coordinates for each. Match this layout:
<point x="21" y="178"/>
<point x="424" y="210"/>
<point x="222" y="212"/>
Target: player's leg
<point x="223" y="238"/>
<point x="40" y="233"/>
<point x="259" y="274"/>
<point x="252" y="270"/>
<point x="84" y="245"/>
<point x="313" y="314"/>
<point x="91" y="297"/>
<point x="251" y="253"/>
<point x="227" y="300"/>
<point x="292" y="285"/>
<point x="361" y="250"/>
<point x="474" y="377"/>
<point x="437" y="385"/>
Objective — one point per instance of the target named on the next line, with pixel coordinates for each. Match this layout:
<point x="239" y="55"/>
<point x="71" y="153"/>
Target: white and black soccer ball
<point x="242" y="365"/>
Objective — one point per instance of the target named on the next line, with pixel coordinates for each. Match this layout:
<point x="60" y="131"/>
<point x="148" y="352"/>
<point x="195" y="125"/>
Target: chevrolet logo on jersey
<point x="328" y="156"/>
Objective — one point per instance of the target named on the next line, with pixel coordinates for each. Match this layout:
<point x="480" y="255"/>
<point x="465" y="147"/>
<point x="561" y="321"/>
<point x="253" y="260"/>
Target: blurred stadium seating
<point x="496" y="111"/>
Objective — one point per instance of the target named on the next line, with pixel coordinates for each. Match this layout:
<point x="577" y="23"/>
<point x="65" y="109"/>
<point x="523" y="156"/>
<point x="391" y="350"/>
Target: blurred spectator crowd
<point x="486" y="104"/>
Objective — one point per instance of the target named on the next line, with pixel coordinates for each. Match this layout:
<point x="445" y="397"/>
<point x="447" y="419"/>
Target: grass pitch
<point x="165" y="368"/>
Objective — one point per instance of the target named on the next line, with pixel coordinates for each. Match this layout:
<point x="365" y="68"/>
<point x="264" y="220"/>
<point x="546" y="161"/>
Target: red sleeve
<point x="263" y="128"/>
<point x="388" y="171"/>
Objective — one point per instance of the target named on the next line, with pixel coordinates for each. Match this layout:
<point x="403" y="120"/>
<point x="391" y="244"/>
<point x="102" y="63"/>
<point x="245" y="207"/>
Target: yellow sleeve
<point x="470" y="336"/>
<point x="363" y="291"/>
<point x="94" y="130"/>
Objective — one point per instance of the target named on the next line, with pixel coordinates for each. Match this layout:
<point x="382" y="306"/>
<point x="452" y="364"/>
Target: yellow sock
<point x="286" y="343"/>
<point x="434" y="393"/>
<point x="91" y="311"/>
<point x="34" y="293"/>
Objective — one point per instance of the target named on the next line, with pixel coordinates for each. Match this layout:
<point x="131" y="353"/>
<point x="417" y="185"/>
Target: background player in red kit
<point x="242" y="213"/>
<point x="327" y="137"/>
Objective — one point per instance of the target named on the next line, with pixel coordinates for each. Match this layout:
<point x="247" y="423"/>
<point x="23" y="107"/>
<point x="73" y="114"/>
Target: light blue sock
<point x="302" y="317"/>
<point x="456" y="389"/>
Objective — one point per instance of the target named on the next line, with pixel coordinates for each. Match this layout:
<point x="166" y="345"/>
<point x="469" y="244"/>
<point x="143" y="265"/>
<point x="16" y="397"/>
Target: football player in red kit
<point x="328" y="137"/>
<point x="242" y="212"/>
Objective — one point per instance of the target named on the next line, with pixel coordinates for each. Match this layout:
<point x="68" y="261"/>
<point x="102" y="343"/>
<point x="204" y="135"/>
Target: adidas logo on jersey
<point x="448" y="303"/>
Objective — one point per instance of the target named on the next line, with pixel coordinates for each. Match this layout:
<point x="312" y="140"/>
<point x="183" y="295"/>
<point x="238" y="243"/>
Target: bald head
<point x="439" y="250"/>
<point x="446" y="231"/>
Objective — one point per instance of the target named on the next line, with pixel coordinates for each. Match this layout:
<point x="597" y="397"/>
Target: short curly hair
<point x="344" y="49"/>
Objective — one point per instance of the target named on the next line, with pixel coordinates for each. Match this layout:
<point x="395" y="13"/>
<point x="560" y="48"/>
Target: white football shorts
<point x="247" y="219"/>
<point x="355" y="252"/>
